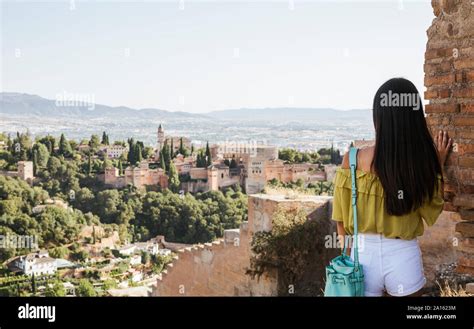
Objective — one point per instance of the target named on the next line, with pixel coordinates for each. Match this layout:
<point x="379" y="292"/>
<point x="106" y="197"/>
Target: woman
<point x="399" y="185"/>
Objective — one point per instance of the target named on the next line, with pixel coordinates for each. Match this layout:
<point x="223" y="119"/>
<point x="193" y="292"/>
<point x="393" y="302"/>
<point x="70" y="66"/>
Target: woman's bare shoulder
<point x="365" y="157"/>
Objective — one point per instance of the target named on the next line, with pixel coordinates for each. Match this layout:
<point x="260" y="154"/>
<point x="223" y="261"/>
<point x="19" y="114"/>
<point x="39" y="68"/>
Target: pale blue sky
<point x="211" y="55"/>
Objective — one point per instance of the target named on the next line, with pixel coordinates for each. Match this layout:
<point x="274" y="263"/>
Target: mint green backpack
<point x="344" y="277"/>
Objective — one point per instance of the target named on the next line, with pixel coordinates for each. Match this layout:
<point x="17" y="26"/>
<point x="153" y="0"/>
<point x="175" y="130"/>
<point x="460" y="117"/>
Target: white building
<point x="127" y="250"/>
<point x="164" y="252"/>
<point x="150" y="247"/>
<point x="38" y="263"/>
<point x="136" y="260"/>
<point x="115" y="151"/>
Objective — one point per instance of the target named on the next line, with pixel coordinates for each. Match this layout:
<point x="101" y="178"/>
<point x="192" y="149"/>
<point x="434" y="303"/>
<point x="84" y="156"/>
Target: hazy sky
<point x="213" y="55"/>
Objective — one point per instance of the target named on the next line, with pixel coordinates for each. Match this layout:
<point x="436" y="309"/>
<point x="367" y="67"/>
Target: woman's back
<point x="373" y="216"/>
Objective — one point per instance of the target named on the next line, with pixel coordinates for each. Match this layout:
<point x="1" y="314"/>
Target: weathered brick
<point x="464" y="148"/>
<point x="438" y="119"/>
<point x="466" y="243"/>
<point x="464" y="200"/>
<point x="437" y="80"/>
<point x="439" y="53"/>
<point x="449" y="77"/>
<point x="467" y="108"/>
<point x="469" y="76"/>
<point x="466" y="188"/>
<point x="450" y="187"/>
<point x="464" y="63"/>
<point x="432" y="69"/>
<point x="464" y="92"/>
<point x="442" y="108"/>
<point x="466" y="214"/>
<point x="466" y="175"/>
<point x="466" y="161"/>
<point x="466" y="228"/>
<point x="465" y="134"/>
<point x="448" y="206"/>
<point x="464" y="121"/>
<point x="465" y="270"/>
<point x="466" y="261"/>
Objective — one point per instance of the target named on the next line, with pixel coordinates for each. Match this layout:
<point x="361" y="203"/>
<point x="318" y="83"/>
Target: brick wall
<point x="449" y="82"/>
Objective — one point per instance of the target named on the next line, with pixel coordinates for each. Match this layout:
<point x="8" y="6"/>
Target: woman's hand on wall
<point x="443" y="145"/>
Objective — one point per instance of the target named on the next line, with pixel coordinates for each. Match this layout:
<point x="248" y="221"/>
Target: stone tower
<point x="25" y="170"/>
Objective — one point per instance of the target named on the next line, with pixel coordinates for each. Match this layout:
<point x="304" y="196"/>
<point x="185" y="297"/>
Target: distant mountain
<point x="290" y="114"/>
<point x="17" y="104"/>
<point x="26" y="105"/>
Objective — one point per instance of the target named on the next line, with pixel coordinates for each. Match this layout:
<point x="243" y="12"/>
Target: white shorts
<point x="391" y="265"/>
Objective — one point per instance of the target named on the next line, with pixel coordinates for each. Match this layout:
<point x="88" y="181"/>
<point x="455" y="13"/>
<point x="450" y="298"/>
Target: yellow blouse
<point x="372" y="217"/>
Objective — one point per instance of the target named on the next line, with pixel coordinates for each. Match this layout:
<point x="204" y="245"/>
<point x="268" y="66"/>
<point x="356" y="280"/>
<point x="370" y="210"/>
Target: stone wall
<point x="449" y="81"/>
<point x="219" y="268"/>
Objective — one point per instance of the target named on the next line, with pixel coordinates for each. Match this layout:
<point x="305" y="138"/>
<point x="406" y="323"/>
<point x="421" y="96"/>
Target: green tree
<point x="42" y="154"/>
<point x="55" y="290"/>
<point x="138" y="153"/>
<point x="59" y="252"/>
<point x="173" y="178"/>
<point x="131" y="153"/>
<point x="166" y="155"/>
<point x="172" y="154"/>
<point x="105" y="139"/>
<point x="208" y="155"/>
<point x="35" y="162"/>
<point x="182" y="149"/>
<point x="49" y="142"/>
<point x="64" y="147"/>
<point x="94" y="143"/>
<point x="162" y="161"/>
<point x="85" y="289"/>
<point x="33" y="284"/>
<point x="107" y="163"/>
<point x="54" y="166"/>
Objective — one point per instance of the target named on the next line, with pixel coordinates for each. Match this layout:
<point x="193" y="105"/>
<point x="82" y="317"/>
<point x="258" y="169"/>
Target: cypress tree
<point x="172" y="150"/>
<point x="162" y="161"/>
<point x="131" y="151"/>
<point x="173" y="178"/>
<point x="64" y="147"/>
<point x="208" y="154"/>
<point x="138" y="153"/>
<point x="35" y="162"/>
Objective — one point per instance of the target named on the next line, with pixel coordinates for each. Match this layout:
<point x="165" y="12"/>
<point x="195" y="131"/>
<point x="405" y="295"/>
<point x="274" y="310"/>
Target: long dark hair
<point x="405" y="157"/>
